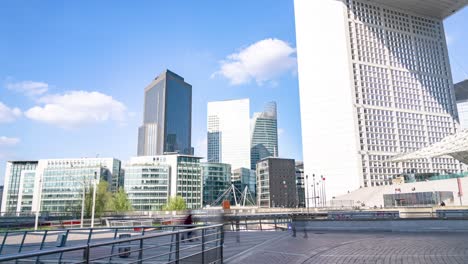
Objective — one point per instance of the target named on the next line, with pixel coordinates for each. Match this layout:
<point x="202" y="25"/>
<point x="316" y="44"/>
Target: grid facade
<point x="403" y="89"/>
<point x="12" y="185"/>
<point x="147" y="186"/>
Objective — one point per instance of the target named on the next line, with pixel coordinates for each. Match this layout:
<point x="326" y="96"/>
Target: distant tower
<point x="264" y="135"/>
<point x="167" y="119"/>
<point x="228" y="133"/>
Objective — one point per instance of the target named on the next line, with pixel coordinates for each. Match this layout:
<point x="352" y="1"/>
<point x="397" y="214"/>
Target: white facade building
<point x="151" y="180"/>
<point x="229" y="133"/>
<point x="374" y="81"/>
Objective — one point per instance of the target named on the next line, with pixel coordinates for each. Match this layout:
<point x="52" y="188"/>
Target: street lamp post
<point x="315" y="194"/>
<point x="307" y="193"/>
<point x="38" y="206"/>
<point x="94" y="200"/>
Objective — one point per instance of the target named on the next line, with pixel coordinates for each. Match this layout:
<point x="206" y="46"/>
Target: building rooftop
<point x="432" y="8"/>
<point x="461" y="91"/>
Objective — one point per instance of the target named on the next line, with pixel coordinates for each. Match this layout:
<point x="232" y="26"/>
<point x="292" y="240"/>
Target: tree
<point x="121" y="202"/>
<point x="176" y="203"/>
<point x="104" y="201"/>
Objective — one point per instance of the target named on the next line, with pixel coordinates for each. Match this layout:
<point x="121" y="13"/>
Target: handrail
<point x="37" y="253"/>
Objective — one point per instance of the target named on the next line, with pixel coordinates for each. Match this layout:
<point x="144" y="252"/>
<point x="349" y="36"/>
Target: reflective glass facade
<point x="417" y="198"/>
<point x="63" y="181"/>
<point x="167" y="117"/>
<point x="264" y="139"/>
<point x="12" y="183"/>
<point x="216" y="180"/>
<point x="243" y="177"/>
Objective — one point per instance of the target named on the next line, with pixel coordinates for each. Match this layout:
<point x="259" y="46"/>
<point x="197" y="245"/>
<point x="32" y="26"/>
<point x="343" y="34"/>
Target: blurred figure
<point x="188" y="222"/>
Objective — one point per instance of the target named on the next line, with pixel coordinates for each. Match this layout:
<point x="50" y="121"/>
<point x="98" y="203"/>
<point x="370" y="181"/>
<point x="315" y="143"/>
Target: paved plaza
<point x="347" y="247"/>
<point x="271" y="247"/>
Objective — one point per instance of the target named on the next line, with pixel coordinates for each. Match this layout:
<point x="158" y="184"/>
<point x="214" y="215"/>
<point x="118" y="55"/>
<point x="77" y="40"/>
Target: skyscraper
<point x="461" y="95"/>
<point x="264" y="135"/>
<point x="167" y="118"/>
<point x="374" y="81"/>
<point x="228" y="133"/>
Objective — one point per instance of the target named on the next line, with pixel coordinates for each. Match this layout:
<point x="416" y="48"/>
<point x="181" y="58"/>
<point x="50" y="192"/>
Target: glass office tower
<point x="228" y="132"/>
<point x="167" y="118"/>
<point x="264" y="136"/>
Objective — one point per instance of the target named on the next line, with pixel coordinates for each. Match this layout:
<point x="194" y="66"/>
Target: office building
<point x="242" y="178"/>
<point x="264" y="135"/>
<point x="300" y="184"/>
<point x="276" y="183"/>
<point x="12" y="189"/>
<point x="55" y="185"/>
<point x="167" y="118"/>
<point x="375" y="81"/>
<point x="216" y="180"/>
<point x="228" y="133"/>
<point x="461" y="95"/>
<point x="59" y="183"/>
<point x="151" y="180"/>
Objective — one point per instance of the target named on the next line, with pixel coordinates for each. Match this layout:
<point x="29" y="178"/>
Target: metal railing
<point x="12" y="242"/>
<point x="192" y="244"/>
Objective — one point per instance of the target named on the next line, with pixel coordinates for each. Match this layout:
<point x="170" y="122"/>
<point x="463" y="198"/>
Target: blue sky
<point x="72" y="73"/>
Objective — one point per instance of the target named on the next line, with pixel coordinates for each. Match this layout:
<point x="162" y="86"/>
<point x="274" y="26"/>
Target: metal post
<point x="315" y="195"/>
<point x="86" y="254"/>
<point x="203" y="246"/>
<point x="140" y="253"/>
<point x="3" y="242"/>
<point x="22" y="241"/>
<point x="177" y="247"/>
<point x="94" y="201"/>
<point x="222" y="243"/>
<point x="307" y="193"/>
<point x="324" y="191"/>
<point x="83" y="205"/>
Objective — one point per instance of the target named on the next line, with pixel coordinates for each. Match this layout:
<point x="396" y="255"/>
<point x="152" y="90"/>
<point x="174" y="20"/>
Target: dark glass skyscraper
<point x="167" y="118"/>
<point x="264" y="140"/>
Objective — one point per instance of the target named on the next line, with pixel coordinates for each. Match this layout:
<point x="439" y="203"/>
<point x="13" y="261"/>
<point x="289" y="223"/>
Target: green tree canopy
<point x="176" y="203"/>
<point x="121" y="202"/>
<point x="104" y="201"/>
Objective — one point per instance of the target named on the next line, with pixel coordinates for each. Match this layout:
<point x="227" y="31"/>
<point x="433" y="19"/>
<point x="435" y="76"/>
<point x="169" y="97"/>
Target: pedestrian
<point x="442" y="203"/>
<point x="188" y="222"/>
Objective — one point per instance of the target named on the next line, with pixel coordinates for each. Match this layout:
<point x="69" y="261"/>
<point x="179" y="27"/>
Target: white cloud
<point x="8" y="114"/>
<point x="28" y="88"/>
<point x="76" y="108"/>
<point x="262" y="61"/>
<point x="8" y="141"/>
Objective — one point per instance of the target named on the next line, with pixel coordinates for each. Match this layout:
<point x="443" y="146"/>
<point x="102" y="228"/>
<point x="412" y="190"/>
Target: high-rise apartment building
<point x="374" y="81"/>
<point x="151" y="180"/>
<point x="228" y="133"/>
<point x="264" y="135"/>
<point x="461" y="95"/>
<point x="167" y="118"/>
